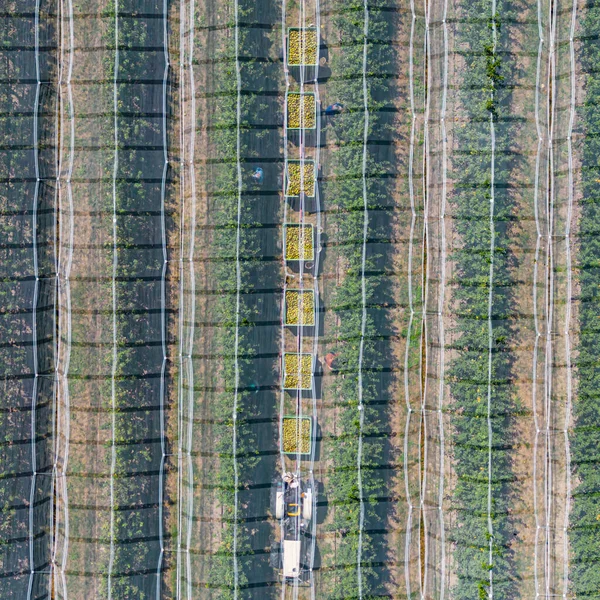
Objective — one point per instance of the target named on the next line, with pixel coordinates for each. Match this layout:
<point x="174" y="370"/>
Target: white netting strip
<point x="65" y="259"/>
<point x="490" y="320"/>
<point x="115" y="264"/>
<point x="407" y="393"/>
<point x="363" y="322"/>
<point x="569" y="292"/>
<point x="34" y="301"/>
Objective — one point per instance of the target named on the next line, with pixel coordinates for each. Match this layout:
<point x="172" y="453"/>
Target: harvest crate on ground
<point x="294" y="186"/>
<point x="297" y="371"/>
<point x="303" y="46"/>
<point x="297" y="435"/>
<point x="306" y="103"/>
<point x="299" y="307"/>
<point x="299" y="242"/>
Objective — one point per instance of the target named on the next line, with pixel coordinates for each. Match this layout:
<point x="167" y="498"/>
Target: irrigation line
<point x="490" y="524"/>
<point x="409" y="518"/>
<point x="363" y="324"/>
<point x="567" y="331"/>
<point x="163" y="303"/>
<point x="34" y="392"/>
<point x="238" y="275"/>
<point x="113" y="458"/>
<point x="536" y="207"/>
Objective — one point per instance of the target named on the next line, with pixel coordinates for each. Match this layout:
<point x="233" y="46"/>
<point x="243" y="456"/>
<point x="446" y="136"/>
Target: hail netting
<point x="86" y="326"/>
<point x="433" y="541"/>
<point x="412" y="374"/>
<point x="358" y="260"/>
<point x="497" y="187"/>
<point x="28" y="203"/>
<point x="141" y="176"/>
<point x="482" y="302"/>
<point x="118" y="364"/>
<point x="552" y="296"/>
<point x="238" y="291"/>
<point x="65" y="233"/>
<point x="187" y="296"/>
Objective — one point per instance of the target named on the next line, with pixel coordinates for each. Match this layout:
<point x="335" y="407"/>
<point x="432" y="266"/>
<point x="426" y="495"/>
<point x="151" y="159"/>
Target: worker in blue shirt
<point x="258" y="175"/>
<point x="334" y="109"/>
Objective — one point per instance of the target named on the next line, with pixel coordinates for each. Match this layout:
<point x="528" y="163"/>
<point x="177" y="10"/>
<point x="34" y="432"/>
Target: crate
<point x="289" y="441"/>
<point x="299" y="308"/>
<point x="290" y="371"/>
<point x="299" y="242"/>
<point x="293" y="170"/>
<point x="302" y="47"/>
<point x="294" y="102"/>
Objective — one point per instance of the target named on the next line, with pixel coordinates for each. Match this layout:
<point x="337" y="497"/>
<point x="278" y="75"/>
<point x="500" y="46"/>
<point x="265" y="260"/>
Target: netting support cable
<point x="186" y="379"/>
<point x="163" y="298"/>
<point x="34" y="391"/>
<point x="363" y="323"/>
<point x="238" y="278"/>
<point x="426" y="258"/>
<point x="63" y="287"/>
<point x="115" y="264"/>
<point x="490" y="524"/>
<point x="407" y="395"/>
<point x="536" y="319"/>
<point x="181" y="316"/>
<point x="441" y="305"/>
<point x="313" y="593"/>
<point x="285" y="212"/>
<point x="567" y="330"/>
<point x="549" y="306"/>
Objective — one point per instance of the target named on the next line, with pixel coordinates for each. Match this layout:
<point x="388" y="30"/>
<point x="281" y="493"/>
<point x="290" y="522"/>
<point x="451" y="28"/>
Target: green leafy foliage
<point x="140" y="373"/>
<point x="585" y="440"/>
<point x="256" y="78"/>
<point x="346" y="195"/>
<point x="483" y="94"/>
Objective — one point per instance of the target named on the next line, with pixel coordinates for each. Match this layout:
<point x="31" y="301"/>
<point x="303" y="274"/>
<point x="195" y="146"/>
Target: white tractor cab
<point x="292" y="505"/>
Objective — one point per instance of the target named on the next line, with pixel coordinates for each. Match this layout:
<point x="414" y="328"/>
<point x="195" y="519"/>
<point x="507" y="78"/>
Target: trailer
<point x="292" y="505"/>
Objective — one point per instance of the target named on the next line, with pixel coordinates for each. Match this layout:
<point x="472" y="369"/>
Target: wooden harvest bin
<point x="299" y="307"/>
<point x="299" y="242"/>
<point x="293" y="183"/>
<point x="303" y="46"/>
<point x="294" y="378"/>
<point x="290" y="442"/>
<point x="294" y="102"/>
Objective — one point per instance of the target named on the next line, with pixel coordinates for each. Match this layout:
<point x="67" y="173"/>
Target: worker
<point x="334" y="109"/>
<point x="258" y="175"/>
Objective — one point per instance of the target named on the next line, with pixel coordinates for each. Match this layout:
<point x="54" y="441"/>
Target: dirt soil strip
<point x="87" y="469"/>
